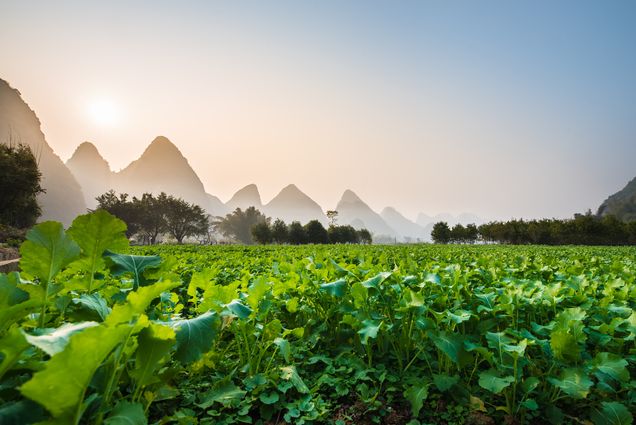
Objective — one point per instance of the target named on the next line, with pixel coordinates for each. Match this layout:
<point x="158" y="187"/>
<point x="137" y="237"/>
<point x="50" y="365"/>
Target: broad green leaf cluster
<point x="92" y="331"/>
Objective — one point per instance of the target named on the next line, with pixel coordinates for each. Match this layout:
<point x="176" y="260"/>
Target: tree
<point x="280" y="233"/>
<point x="316" y="232"/>
<point x="441" y="233"/>
<point x="364" y="236"/>
<point x="471" y="233"/>
<point x="297" y="234"/>
<point x="262" y="233"/>
<point x="332" y="215"/>
<point x="120" y="207"/>
<point x="343" y="234"/>
<point x="19" y="186"/>
<point x="238" y="224"/>
<point x="184" y="219"/>
<point x="458" y="233"/>
<point x="152" y="215"/>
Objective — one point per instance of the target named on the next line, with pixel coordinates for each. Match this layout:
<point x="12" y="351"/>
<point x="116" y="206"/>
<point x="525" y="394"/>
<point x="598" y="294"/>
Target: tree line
<point x="583" y="229"/>
<point x="150" y="216"/>
<point x="252" y="226"/>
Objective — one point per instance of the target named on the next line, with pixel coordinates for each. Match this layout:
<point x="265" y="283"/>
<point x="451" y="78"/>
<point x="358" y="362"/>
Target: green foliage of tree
<point x="364" y="236"/>
<point x="441" y="233"/>
<point x="150" y="216"/>
<point x="238" y="224"/>
<point x="280" y="234"/>
<point x="583" y="229"/>
<point x="297" y="234"/>
<point x="262" y="233"/>
<point x="19" y="186"/>
<point x="332" y="215"/>
<point x="316" y="232"/>
<point x="343" y="234"/>
<point x="184" y="219"/>
<point x="122" y="208"/>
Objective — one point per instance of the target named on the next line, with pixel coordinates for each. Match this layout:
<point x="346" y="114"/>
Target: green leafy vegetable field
<point x="93" y="331"/>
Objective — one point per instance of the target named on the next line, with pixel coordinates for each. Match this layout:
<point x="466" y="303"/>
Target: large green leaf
<point x="195" y="336"/>
<point x="269" y="397"/>
<point x="416" y="395"/>
<point x="573" y="382"/>
<point x="256" y="292"/>
<point x="445" y="382"/>
<point x="491" y="381"/>
<point x="10" y="293"/>
<point x="369" y="329"/>
<point x="55" y="340"/>
<point x="283" y="348"/>
<point x="47" y="250"/>
<point x="133" y="264"/>
<point x="12" y="345"/>
<point x="154" y="344"/>
<point x="92" y="305"/>
<point x="15" y="302"/>
<point x="564" y="345"/>
<point x="95" y="233"/>
<point x="335" y="289"/>
<point x="376" y="280"/>
<point x="89" y="349"/>
<point x="567" y="334"/>
<point x="451" y="344"/>
<point x="20" y="413"/>
<point x="611" y="365"/>
<point x="237" y="308"/>
<point x="225" y="393"/>
<point x="612" y="413"/>
<point x="137" y="302"/>
<point x="61" y="385"/>
<point x="126" y="413"/>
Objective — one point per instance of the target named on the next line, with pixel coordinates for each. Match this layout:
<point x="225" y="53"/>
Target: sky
<point x="498" y="108"/>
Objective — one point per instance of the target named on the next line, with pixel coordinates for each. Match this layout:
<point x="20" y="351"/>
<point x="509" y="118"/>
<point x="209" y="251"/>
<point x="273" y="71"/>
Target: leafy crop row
<point x="315" y="334"/>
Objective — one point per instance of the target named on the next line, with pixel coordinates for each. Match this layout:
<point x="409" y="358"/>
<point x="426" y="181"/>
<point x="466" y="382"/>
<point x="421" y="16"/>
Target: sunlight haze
<point x="494" y="108"/>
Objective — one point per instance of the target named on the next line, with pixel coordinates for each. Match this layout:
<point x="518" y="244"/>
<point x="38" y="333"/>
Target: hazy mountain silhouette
<point x="215" y="206"/>
<point x="622" y="204"/>
<point x="291" y="204"/>
<point x="92" y="171"/>
<point x="245" y="198"/>
<point x="352" y="210"/>
<point x="162" y="168"/>
<point x="405" y="228"/>
<point x="63" y="199"/>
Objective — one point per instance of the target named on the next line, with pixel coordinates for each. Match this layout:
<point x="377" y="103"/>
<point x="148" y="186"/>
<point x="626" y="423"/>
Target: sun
<point x="104" y="112"/>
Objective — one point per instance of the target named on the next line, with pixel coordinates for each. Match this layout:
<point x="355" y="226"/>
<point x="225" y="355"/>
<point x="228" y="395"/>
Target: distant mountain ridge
<point x="63" y="199"/>
<point x="407" y="230"/>
<point x="244" y="198"/>
<point x="176" y="177"/>
<point x="73" y="186"/>
<point x="354" y="211"/>
<point x="162" y="168"/>
<point x="291" y="204"/>
<point x="621" y="204"/>
<point x="89" y="167"/>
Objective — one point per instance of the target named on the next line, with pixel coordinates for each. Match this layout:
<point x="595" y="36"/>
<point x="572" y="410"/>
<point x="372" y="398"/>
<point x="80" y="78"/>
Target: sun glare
<point x="104" y="112"/>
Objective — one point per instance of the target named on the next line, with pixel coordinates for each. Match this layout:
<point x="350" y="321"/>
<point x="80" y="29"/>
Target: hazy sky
<point x="500" y="108"/>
